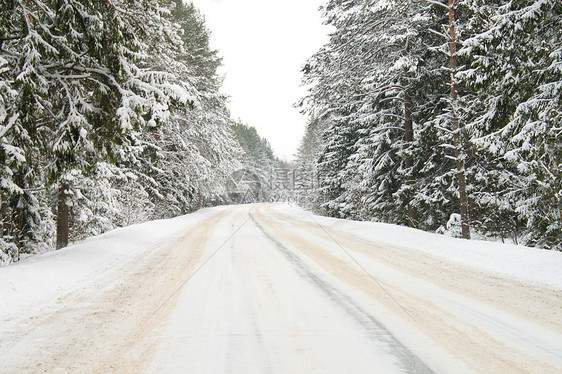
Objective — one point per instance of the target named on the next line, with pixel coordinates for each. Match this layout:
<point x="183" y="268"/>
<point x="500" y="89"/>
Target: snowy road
<point x="270" y="289"/>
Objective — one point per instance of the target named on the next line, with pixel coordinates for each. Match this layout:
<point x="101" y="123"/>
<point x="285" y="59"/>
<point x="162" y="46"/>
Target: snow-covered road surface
<point x="273" y="289"/>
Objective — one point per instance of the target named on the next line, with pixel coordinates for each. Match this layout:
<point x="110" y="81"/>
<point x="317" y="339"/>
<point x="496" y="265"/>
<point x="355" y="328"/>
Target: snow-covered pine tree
<point x="450" y="124"/>
<point x="185" y="160"/>
<point x="257" y="178"/>
<point x="90" y="92"/>
<point x="212" y="152"/>
<point x="500" y="135"/>
<point x="22" y="102"/>
<point x="82" y="91"/>
<point x="395" y="33"/>
<point x="339" y="140"/>
<point x="515" y="112"/>
<point x="335" y="73"/>
<point x="106" y="87"/>
<point x="307" y="178"/>
<point x="376" y="70"/>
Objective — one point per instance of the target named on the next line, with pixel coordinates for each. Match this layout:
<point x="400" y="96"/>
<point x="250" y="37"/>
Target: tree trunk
<point x="457" y="134"/>
<point x="62" y="219"/>
<point x="409" y="162"/>
<point x="19" y="228"/>
<point x="5" y="217"/>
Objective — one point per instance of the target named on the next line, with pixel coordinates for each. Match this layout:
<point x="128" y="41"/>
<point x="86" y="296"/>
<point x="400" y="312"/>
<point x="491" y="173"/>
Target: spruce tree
<point x="515" y="76"/>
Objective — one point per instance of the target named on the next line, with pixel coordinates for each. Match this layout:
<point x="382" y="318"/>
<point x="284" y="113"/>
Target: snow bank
<point x="508" y="260"/>
<point x="42" y="279"/>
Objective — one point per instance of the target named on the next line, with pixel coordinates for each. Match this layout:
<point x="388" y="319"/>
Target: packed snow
<point x="516" y="261"/>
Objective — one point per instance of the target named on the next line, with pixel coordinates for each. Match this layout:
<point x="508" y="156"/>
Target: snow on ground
<point x="508" y="260"/>
<point x="268" y="288"/>
<point x="43" y="278"/>
<point x="249" y="311"/>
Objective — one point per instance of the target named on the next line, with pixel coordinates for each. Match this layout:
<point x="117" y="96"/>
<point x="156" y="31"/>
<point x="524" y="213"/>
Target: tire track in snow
<point x="376" y="331"/>
<point x="257" y="333"/>
<point x="474" y="332"/>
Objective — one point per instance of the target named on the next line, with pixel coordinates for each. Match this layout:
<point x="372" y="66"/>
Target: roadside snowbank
<point x="513" y="261"/>
<point x="41" y="279"/>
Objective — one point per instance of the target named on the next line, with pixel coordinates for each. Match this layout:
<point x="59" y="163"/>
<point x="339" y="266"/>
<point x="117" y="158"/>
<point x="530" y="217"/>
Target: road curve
<point x="254" y="289"/>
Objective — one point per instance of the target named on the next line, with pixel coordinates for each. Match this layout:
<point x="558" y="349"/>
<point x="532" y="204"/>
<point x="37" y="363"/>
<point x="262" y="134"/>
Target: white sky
<point x="264" y="43"/>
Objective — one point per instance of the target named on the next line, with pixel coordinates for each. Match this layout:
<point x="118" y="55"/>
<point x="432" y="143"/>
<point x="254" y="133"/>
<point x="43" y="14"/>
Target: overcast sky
<point x="264" y="44"/>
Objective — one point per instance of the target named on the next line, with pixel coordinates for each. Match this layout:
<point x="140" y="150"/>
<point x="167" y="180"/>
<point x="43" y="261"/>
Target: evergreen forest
<point x="441" y="115"/>
<point x="110" y="114"/>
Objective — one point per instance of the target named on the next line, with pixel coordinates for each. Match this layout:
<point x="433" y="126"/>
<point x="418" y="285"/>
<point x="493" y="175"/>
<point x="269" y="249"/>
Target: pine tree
<point x="22" y="102"/>
<point x="474" y="132"/>
<point x="515" y="117"/>
<point x="374" y="69"/>
<point x="307" y="177"/>
<point x="187" y="159"/>
<point x="78" y="88"/>
<point x="100" y="91"/>
<point x="257" y="178"/>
